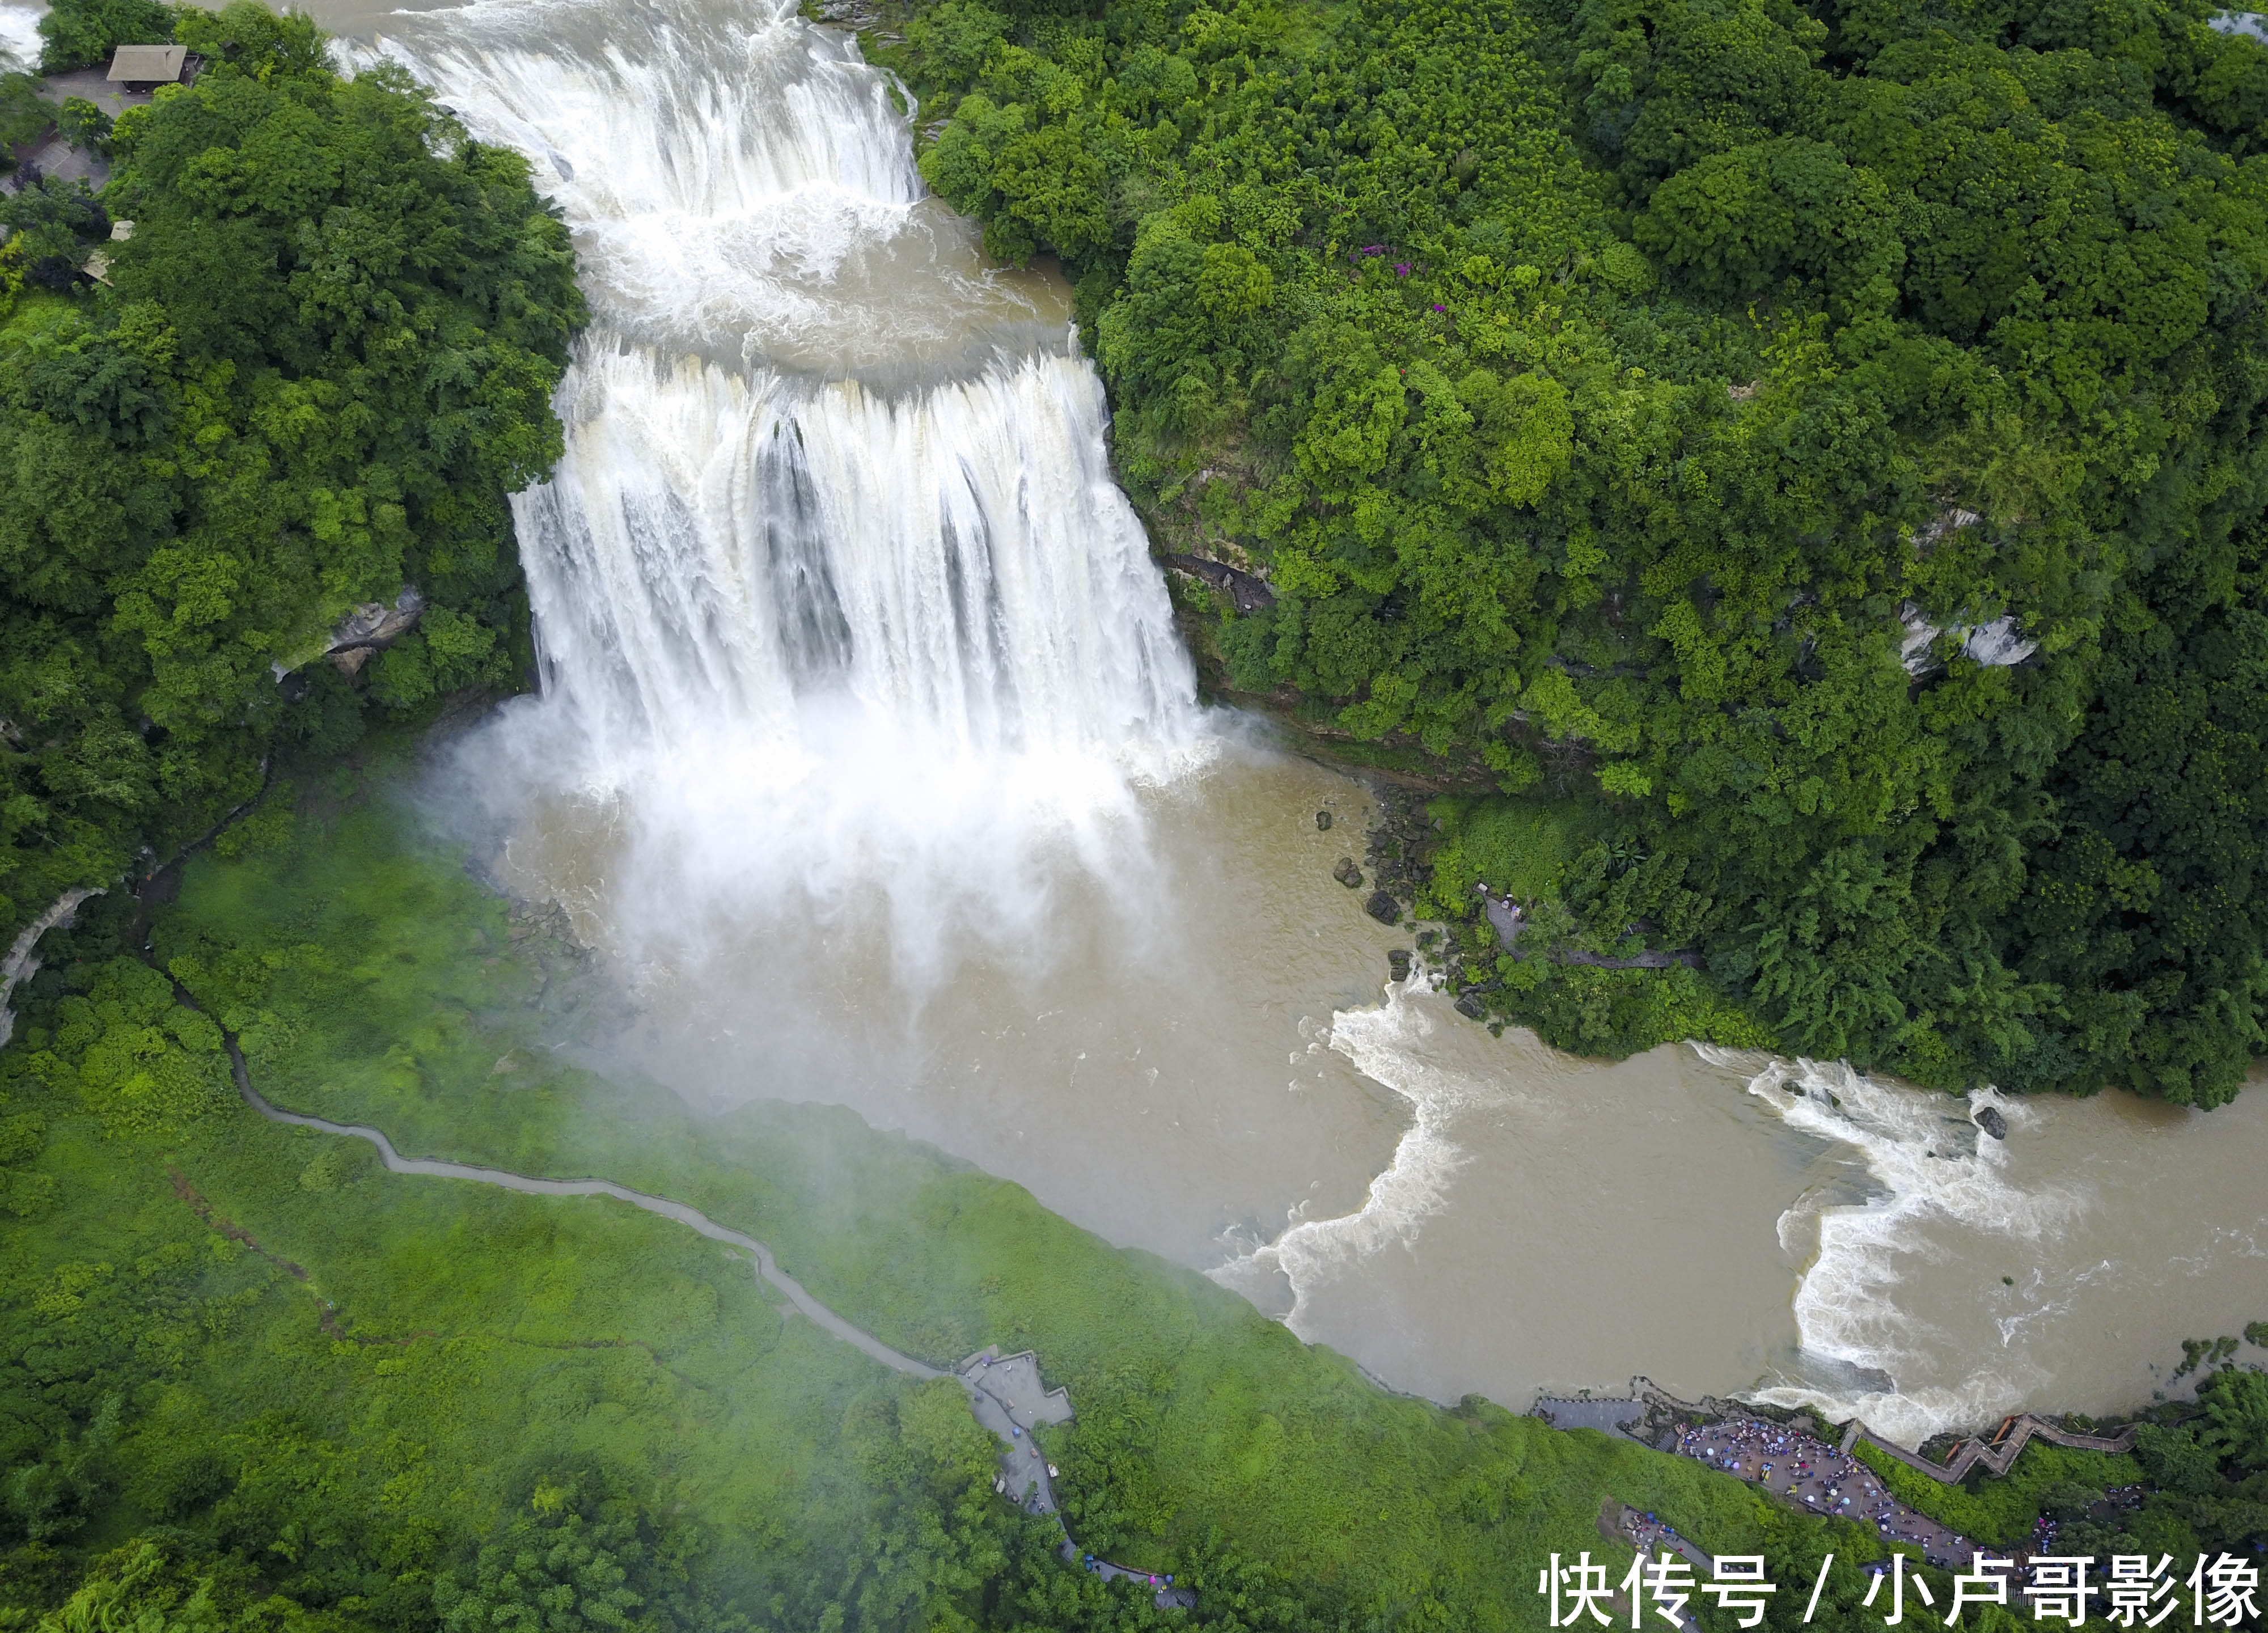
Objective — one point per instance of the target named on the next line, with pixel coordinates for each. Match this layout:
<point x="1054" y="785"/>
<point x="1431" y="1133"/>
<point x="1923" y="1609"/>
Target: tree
<point x="84" y="125"/>
<point x="324" y="359"/>
<point x="82" y="33"/>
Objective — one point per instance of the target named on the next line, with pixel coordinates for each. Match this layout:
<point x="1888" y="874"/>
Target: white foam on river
<point x="1388" y="1044"/>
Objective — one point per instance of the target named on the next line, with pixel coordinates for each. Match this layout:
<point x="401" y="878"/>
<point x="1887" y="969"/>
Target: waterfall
<point x="727" y="546"/>
<point x="833" y="589"/>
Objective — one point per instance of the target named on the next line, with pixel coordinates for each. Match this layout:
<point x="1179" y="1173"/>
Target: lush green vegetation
<point x="1661" y="405"/>
<point x="2001" y="1512"/>
<point x="2198" y="1480"/>
<point x="81" y="33"/>
<point x="249" y="1379"/>
<point x="322" y="359"/>
<point x="1353" y="263"/>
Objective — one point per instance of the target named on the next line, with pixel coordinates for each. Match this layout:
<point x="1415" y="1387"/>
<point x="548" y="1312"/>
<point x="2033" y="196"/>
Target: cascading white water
<point x="725" y="547"/>
<point x="833" y="588"/>
<point x="19" y="37"/>
<point x="740" y="185"/>
<point x="1928" y="1169"/>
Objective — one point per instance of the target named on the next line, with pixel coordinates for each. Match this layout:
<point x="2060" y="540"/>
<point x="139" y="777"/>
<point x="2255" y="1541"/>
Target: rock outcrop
<point x="372" y="628"/>
<point x="1250" y="593"/>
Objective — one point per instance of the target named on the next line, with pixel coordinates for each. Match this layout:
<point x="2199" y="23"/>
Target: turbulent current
<point x="868" y="751"/>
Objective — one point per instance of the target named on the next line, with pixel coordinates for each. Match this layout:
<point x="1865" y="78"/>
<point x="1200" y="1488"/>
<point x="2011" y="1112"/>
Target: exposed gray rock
<point x="1384" y="907"/>
<point x="1998" y="644"/>
<point x="1323" y="822"/>
<point x="1992" y="1122"/>
<point x="372" y="628"/>
<point x="1688" y="957"/>
<point x="1347" y="873"/>
<point x="1251" y="594"/>
<point x="1398" y="964"/>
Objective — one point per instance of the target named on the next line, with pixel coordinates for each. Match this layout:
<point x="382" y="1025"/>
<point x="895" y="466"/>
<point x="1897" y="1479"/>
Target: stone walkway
<point x="1167" y="1597"/>
<point x="1612" y="1417"/>
<point x="1653" y="1537"/>
<point x="1005" y="1395"/>
<point x="1817" y="1476"/>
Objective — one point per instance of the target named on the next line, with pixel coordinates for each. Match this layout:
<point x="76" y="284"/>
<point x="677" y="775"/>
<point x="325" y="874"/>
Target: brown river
<point x="869" y="755"/>
<point x="1210" y="1064"/>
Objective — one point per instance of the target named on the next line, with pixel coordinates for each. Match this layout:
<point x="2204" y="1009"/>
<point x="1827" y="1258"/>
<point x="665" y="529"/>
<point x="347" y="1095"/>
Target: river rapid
<point x="869" y="754"/>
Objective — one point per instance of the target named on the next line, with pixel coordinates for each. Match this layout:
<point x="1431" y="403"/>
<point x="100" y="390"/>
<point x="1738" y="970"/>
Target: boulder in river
<point x="1323" y="822"/>
<point x="1384" y="907"/>
<point x="1992" y="1122"/>
<point x="1347" y="873"/>
<point x="1468" y="1003"/>
<point x="1398" y="964"/>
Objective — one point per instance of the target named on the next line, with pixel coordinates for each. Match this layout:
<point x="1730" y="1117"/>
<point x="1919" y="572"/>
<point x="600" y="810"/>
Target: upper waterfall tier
<point x="740" y="184"/>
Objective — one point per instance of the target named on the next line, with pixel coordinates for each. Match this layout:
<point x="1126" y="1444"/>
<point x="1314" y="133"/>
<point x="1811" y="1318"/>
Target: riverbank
<point x="373" y="982"/>
<point x="2032" y="1490"/>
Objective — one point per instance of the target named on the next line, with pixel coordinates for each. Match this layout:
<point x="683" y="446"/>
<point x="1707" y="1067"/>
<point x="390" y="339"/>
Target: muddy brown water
<point x="1221" y="1073"/>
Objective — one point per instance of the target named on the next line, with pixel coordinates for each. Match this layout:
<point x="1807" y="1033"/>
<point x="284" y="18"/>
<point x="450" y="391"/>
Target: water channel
<point x="869" y="755"/>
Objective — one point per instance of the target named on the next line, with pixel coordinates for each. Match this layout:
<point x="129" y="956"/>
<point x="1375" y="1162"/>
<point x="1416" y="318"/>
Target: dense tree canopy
<point x="80" y="33"/>
<point x="1818" y="449"/>
<point x="322" y="360"/>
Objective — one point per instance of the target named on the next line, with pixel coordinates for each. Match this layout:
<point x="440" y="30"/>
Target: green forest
<point x="1808" y="459"/>
<point x="323" y="359"/>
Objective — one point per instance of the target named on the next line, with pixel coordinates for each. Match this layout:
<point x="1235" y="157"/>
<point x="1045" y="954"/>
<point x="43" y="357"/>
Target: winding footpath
<point x="1004" y="1394"/>
<point x="767" y="1267"/>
